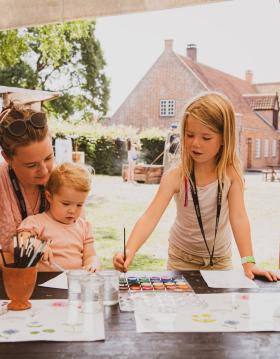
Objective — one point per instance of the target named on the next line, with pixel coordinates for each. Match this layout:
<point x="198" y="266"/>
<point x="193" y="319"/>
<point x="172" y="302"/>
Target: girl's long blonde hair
<point x="216" y="112"/>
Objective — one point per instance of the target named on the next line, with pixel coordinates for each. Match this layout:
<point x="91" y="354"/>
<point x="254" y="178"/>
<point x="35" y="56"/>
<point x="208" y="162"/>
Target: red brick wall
<point x="167" y="79"/>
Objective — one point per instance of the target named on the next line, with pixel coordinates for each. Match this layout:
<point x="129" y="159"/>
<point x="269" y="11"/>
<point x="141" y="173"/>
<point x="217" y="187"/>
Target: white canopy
<point x="23" y="13"/>
<point x="33" y="98"/>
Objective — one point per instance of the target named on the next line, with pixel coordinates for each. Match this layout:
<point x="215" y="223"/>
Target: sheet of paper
<point x="59" y="282"/>
<point x="227" y="279"/>
<point x="218" y="312"/>
<point x="51" y="320"/>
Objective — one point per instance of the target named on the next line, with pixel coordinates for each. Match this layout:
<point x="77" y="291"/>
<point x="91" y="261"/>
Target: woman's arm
<point x="170" y="184"/>
<point x="241" y="228"/>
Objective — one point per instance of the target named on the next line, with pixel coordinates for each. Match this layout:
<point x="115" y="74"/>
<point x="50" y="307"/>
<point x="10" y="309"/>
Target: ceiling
<point x="23" y="13"/>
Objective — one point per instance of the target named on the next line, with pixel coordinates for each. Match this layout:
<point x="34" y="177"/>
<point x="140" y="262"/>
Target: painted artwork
<point x="222" y="312"/>
<point x="50" y="320"/>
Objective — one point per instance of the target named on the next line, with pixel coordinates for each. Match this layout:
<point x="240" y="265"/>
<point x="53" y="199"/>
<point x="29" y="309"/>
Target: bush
<point x="105" y="147"/>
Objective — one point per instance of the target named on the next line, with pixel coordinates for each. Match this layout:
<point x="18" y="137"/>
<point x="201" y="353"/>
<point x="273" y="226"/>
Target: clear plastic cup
<point x="111" y="286"/>
<point x="92" y="293"/>
<point x="74" y="278"/>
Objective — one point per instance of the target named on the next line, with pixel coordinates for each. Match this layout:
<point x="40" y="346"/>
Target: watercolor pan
<point x="154" y="283"/>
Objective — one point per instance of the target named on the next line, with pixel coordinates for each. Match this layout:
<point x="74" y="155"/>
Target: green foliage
<point x="105" y="147"/>
<point x="13" y="46"/>
<point x="152" y="150"/>
<point x="63" y="57"/>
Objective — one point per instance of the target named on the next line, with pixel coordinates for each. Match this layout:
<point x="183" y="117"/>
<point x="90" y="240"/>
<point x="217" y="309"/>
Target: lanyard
<point x="20" y="198"/>
<point x="198" y="213"/>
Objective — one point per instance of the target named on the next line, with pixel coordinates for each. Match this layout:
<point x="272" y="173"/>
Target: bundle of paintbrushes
<point x="27" y="251"/>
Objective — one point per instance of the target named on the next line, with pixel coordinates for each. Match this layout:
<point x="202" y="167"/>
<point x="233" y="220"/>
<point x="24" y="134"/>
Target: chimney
<point x="249" y="76"/>
<point x="192" y="52"/>
<point x="168" y="45"/>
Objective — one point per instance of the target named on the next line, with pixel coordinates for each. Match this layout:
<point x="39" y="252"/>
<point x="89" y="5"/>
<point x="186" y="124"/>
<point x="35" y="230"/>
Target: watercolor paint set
<point x="154" y="283"/>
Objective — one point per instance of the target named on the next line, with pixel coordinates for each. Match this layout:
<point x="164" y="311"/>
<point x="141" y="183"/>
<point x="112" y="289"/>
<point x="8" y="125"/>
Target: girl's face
<point x="33" y="163"/>
<point x="202" y="143"/>
<point x="66" y="205"/>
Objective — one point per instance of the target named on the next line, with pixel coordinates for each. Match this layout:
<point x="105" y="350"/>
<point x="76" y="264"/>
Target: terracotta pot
<point x="19" y="284"/>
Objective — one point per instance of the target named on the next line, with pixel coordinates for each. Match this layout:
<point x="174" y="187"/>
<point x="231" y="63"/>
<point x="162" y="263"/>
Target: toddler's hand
<point x="93" y="266"/>
<point x="89" y="268"/>
<point x="48" y="255"/>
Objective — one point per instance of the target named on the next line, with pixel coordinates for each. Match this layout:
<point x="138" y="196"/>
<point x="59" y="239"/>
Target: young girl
<point x="208" y="191"/>
<point x="68" y="234"/>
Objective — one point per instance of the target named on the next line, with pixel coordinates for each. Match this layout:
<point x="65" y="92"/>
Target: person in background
<point x="26" y="147"/>
<point x="69" y="236"/>
<point x="131" y="157"/>
<point x="208" y="189"/>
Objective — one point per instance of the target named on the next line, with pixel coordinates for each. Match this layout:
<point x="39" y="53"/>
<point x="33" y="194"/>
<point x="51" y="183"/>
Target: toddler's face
<point x="67" y="204"/>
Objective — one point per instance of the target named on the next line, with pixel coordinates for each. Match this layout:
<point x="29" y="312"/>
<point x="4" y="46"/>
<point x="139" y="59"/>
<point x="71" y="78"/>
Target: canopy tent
<point x="32" y="98"/>
<point x="22" y="13"/>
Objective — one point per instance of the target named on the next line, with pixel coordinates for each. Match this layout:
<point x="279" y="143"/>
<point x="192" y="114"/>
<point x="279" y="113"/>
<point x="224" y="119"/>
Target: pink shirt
<point x="10" y="216"/>
<point x="68" y="240"/>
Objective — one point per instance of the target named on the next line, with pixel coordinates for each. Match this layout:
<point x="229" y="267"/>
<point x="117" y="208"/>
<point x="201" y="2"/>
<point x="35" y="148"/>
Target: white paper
<point x="222" y="312"/>
<point x="51" y="320"/>
<point x="227" y="279"/>
<point x="59" y="282"/>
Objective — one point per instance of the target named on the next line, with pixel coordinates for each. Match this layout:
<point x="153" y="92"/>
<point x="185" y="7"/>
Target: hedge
<point x="105" y="147"/>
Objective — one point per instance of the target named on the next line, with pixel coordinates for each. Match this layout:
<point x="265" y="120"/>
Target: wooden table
<point x="122" y="341"/>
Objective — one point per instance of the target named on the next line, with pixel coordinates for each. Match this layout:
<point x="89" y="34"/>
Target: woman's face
<point x="33" y="163"/>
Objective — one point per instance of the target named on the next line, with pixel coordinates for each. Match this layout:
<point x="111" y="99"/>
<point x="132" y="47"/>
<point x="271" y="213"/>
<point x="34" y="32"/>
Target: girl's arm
<point x="170" y="183"/>
<point x="241" y="228"/>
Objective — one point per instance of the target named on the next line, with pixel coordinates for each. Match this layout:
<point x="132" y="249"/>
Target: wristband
<point x="248" y="259"/>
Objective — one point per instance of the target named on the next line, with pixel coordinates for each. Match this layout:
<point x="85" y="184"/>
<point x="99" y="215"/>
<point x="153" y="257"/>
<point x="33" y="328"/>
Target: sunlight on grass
<point x="140" y="262"/>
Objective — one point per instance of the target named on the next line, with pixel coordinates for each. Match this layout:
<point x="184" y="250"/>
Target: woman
<point x="131" y="158"/>
<point x="27" y="149"/>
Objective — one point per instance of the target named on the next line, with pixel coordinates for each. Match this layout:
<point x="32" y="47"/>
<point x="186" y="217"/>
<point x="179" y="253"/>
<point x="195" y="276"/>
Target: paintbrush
<point x="59" y="267"/>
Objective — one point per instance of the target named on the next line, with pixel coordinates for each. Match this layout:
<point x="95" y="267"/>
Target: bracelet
<point x="248" y="259"/>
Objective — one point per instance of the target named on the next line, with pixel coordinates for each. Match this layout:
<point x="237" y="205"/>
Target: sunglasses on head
<point x="18" y="126"/>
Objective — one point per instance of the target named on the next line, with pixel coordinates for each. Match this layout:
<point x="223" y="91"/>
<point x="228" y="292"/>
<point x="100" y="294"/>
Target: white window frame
<point x="167" y="108"/>
<point x="274" y="148"/>
<point x="258" y="148"/>
<point x="266" y="148"/>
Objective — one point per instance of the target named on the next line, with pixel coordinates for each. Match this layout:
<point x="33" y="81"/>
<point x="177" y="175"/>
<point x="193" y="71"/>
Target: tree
<point x="64" y="57"/>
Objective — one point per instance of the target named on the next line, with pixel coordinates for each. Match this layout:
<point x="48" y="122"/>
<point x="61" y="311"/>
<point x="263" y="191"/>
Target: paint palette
<point x="154" y="283"/>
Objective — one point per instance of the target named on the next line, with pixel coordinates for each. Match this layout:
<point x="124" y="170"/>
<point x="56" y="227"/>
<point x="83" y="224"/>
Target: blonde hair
<point x="8" y="142"/>
<point x="216" y="112"/>
<point x="71" y="175"/>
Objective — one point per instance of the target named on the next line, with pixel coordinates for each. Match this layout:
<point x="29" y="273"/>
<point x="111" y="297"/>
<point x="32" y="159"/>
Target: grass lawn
<point x="114" y="205"/>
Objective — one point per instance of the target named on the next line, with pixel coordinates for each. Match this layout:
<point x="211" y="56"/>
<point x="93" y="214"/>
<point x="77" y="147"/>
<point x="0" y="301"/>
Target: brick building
<point x="159" y="98"/>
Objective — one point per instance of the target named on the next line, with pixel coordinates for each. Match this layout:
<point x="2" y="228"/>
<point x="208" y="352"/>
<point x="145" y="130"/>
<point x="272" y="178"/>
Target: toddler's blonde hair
<point x="71" y="175"/>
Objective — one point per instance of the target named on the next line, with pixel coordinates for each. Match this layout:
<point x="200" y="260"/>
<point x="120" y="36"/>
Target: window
<point x="258" y="148"/>
<point x="266" y="148"/>
<point x="274" y="145"/>
<point x="167" y="108"/>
